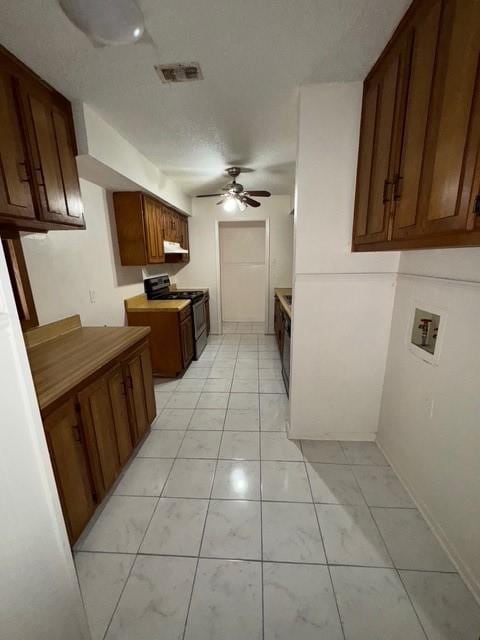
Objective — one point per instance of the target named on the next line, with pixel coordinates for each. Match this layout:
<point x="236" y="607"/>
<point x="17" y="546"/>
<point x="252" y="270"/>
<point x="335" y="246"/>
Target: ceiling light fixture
<point x="230" y="204"/>
<point x="106" y="22"/>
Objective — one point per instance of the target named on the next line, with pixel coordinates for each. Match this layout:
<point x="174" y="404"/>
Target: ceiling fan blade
<point x="250" y="202"/>
<point x="260" y="194"/>
<point x="209" y="195"/>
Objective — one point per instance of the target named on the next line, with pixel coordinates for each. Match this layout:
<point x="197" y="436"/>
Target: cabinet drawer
<point x="185" y="313"/>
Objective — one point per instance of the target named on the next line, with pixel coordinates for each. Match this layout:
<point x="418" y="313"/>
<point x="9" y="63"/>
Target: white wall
<point x="435" y="449"/>
<point x="105" y="147"/>
<point x="342" y="301"/>
<point x="64" y="266"/>
<point x="39" y="594"/>
<point x="202" y="269"/>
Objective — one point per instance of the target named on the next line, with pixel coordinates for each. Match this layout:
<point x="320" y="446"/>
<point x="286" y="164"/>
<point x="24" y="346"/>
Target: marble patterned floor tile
<point x="248" y="385"/>
<point x="240" y="445"/>
<point x="191" y="384"/>
<point x="363" y="453"/>
<point x="218" y="385"/>
<point x="199" y="373"/>
<point x="446" y="608"/>
<point x="144" y="477"/>
<point x="176" y="527"/>
<point x="226" y="601"/>
<point x="285" y="481"/>
<point x="208" y="419"/>
<point x="162" y="398"/>
<point x="299" y="603"/>
<point x="273" y="412"/>
<point x="161" y="444"/>
<point x="232" y="530"/>
<point x="374" y="605"/>
<point x="121" y="525"/>
<point x="242" y="420"/>
<point x="185" y="400"/>
<point x="271" y="374"/>
<point x="190" y="479"/>
<point x="165" y="384"/>
<point x="246" y="401"/>
<point x="409" y="540"/>
<point x="291" y="533"/>
<point x="271" y="386"/>
<point x="155" y="601"/>
<point x="351" y="537"/>
<point x="381" y="487"/>
<point x="220" y="372"/>
<point x="102" y="577"/>
<point x="212" y="400"/>
<point x="237" y="480"/>
<point x="200" y="444"/>
<point x="246" y="374"/>
<point x="334" y="484"/>
<point x="327" y="451"/>
<point x="276" y="446"/>
<point x="173" y="419"/>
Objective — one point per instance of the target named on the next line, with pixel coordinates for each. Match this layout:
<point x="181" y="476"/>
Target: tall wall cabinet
<point x="418" y="177"/>
<point x="39" y="187"/>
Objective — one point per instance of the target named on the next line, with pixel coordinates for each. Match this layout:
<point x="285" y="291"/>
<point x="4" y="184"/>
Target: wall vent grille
<point x="179" y="72"/>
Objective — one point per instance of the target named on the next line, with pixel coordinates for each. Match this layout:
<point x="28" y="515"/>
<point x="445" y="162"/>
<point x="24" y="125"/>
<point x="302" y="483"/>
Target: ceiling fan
<point x="235" y="195"/>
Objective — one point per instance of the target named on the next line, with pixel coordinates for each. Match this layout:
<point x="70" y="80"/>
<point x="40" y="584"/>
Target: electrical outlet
<point x="93" y="296"/>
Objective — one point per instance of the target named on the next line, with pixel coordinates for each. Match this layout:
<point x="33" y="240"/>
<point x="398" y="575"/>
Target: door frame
<point x="266" y="223"/>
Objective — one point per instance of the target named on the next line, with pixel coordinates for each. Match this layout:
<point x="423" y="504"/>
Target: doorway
<point x="243" y="270"/>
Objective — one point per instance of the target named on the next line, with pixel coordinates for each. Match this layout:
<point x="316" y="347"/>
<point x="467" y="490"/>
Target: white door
<point x="242" y="271"/>
<point x="39" y="594"/>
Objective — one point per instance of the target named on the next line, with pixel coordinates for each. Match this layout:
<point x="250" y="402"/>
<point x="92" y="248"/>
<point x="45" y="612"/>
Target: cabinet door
<point x="118" y="399"/>
<point x="153" y="231"/>
<point x="99" y="425"/>
<point x="15" y="191"/>
<point x="137" y="400"/>
<point x="67" y="450"/>
<point x="382" y="116"/>
<point x="52" y="142"/>
<point x="186" y="333"/>
<point x="453" y="135"/>
<point x="146" y="360"/>
<point x="185" y="241"/>
<point x="424" y="30"/>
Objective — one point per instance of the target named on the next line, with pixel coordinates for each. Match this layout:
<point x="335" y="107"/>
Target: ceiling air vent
<point x="169" y="73"/>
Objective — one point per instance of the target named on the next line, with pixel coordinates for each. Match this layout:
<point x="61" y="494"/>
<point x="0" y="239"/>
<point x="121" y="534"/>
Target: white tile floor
<point x="222" y="528"/>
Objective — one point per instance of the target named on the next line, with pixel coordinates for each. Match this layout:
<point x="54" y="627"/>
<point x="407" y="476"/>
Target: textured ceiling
<point x="254" y="54"/>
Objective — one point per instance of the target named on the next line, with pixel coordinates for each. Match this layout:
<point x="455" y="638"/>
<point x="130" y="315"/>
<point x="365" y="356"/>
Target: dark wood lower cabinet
<point x="69" y="458"/>
<point x="186" y="331"/>
<point x="99" y="427"/>
<point x="91" y="434"/>
<point x="118" y="399"/>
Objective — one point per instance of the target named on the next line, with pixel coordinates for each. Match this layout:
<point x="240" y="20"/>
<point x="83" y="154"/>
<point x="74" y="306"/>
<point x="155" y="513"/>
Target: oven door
<point x="199" y="319"/>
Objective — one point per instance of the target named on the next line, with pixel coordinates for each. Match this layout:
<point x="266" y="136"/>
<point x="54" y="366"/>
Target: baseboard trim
<point x="469" y="579"/>
<point x="340" y="436"/>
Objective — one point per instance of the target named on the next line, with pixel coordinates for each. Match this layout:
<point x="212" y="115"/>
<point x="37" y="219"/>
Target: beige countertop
<point x="64" y="360"/>
<point x="281" y="293"/>
<point x="140" y="303"/>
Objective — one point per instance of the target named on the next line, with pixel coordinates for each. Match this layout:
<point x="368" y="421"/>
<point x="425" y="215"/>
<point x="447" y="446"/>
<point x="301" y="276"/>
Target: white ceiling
<point x="254" y="54"/>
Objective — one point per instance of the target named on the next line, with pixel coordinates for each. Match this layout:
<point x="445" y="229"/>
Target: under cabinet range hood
<point x="173" y="247"/>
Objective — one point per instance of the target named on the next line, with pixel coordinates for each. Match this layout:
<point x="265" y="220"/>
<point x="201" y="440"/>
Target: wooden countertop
<point x="61" y="363"/>
<point x="281" y="293"/>
<point x="140" y="303"/>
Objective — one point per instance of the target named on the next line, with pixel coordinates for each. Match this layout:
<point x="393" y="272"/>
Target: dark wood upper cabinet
<point x="379" y="144"/>
<point x="425" y="149"/>
<point x="69" y="457"/>
<point x="15" y="194"/>
<point x="39" y="186"/>
<point x="143" y="223"/>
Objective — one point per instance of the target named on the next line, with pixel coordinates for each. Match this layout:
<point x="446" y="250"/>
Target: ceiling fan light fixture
<point x="230" y="204"/>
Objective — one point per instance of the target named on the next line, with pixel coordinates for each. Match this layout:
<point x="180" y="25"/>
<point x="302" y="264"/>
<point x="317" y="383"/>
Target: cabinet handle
<point x="23" y="172"/>
<point x="387" y="196"/>
<point x="76" y="433"/>
<point x="129" y="382"/>
<point x="397" y="191"/>
<point x="476" y="206"/>
<point x="40" y="180"/>
<point x="124" y="389"/>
